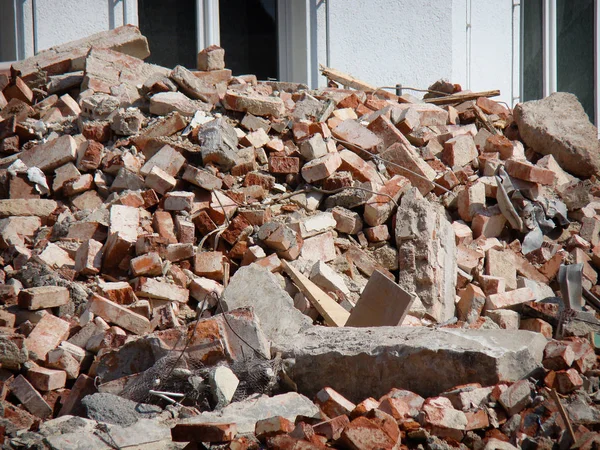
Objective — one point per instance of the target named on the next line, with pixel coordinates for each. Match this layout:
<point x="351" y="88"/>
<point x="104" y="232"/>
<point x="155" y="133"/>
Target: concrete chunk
<point x="257" y="287"/>
<point x="427" y="255"/>
<point x="363" y="362"/>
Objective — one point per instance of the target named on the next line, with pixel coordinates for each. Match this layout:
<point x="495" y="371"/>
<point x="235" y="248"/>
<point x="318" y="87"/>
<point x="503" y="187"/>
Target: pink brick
<point x="47" y="334"/>
<point x="379" y="207"/>
<point x="509" y="298"/>
<point x="321" y="168"/>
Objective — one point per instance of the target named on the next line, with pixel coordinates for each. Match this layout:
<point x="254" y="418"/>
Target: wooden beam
<point x="354" y="83"/>
<point x="461" y="97"/>
<point x="334" y="314"/>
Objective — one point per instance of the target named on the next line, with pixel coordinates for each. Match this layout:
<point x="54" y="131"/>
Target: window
<point x="559" y="50"/>
<point x="170" y="28"/>
<point x="248" y="31"/>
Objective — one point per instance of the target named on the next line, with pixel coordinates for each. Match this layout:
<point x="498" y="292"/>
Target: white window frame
<point x="549" y="43"/>
<point x="296" y="30"/>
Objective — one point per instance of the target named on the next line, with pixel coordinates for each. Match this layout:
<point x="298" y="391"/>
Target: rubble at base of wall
<point x="198" y="259"/>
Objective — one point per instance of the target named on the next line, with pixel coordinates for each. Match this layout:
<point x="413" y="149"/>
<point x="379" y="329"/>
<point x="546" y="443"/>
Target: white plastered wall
<point x="415" y="43"/>
<point x="45" y="23"/>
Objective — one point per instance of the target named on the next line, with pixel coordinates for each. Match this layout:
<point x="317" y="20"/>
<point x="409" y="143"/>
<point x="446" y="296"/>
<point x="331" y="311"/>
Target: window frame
<point x="549" y="51"/>
<point x="296" y="39"/>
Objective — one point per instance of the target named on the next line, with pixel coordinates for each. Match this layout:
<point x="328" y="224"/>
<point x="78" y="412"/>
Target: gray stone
<point x="257" y="287"/>
<point x="368" y="362"/>
<point x="427" y="254"/>
<point x="140" y="435"/>
<point x="117" y="410"/>
<point x="219" y="143"/>
<point x="82" y="440"/>
<point x="246" y="413"/>
<point x="558" y="125"/>
<point x="99" y="105"/>
<point x="13" y="352"/>
<point x="126" y="122"/>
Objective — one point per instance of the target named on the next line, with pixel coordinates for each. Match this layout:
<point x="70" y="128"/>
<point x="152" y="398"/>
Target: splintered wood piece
<point x="349" y="81"/>
<point x="332" y="312"/>
<point x="461" y="97"/>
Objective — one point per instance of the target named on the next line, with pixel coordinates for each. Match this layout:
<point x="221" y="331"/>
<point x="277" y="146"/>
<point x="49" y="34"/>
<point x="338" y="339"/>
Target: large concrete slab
<point x="368" y="362"/>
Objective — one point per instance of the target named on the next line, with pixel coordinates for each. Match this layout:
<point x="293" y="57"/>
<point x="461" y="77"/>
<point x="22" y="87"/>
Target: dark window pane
<point x="171" y="31"/>
<point x="575" y="50"/>
<point x="249" y="36"/>
<point x="532" y="45"/>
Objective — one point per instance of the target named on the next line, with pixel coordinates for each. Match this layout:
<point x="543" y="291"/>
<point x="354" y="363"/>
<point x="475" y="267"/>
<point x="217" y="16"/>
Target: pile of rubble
<point x="183" y="249"/>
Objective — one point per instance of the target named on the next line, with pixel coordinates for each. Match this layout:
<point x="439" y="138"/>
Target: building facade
<point x="525" y="48"/>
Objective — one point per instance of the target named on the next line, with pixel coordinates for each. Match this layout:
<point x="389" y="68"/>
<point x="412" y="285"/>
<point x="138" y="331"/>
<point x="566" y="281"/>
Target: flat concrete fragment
<point x="246" y="413"/>
<point x="363" y="362"/>
<point x="257" y="287"/>
<point x="382" y="303"/>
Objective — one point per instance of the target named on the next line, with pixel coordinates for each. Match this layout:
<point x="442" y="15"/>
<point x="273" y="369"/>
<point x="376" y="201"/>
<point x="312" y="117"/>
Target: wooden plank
<point x="354" y="83"/>
<point x="332" y="312"/>
<point x="461" y="97"/>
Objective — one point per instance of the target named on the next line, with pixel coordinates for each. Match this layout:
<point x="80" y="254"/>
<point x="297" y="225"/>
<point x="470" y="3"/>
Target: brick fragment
<point x="406" y="156"/>
<point x="525" y="171"/>
<point x="471" y="201"/>
<point x="359" y="169"/>
<point x="30" y="398"/>
<point x="357" y="137"/>
<point x="284" y="164"/>
<point x="332" y="403"/>
<point x="179" y="201"/>
<point x="43" y="297"/>
<point x="160" y="290"/>
<point x="209" y="265"/>
<point x="499" y="144"/>
<point x="255" y="104"/>
<point x="364" y="434"/>
<point x="160" y="181"/>
<point x="272" y="426"/>
<point x="201" y="178"/>
<point x="44" y="379"/>
<point x="459" y="151"/>
<point x="510" y="298"/>
<point x="47" y="334"/>
<point x="380" y="206"/>
<point x="321" y="168"/>
<point x="119" y="315"/>
<point x="149" y="264"/>
<point x="538" y="326"/>
<point x="51" y="154"/>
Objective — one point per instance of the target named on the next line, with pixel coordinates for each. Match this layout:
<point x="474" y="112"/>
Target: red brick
<point x="363" y="434"/>
<point x="284" y="164"/>
<point x="209" y="265"/>
<point x="528" y="172"/>
<point x="332" y="403"/>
